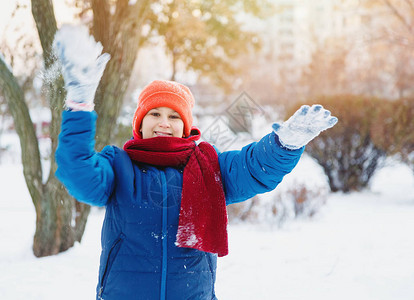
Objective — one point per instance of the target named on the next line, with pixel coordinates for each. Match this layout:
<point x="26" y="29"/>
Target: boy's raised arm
<point x="87" y="175"/>
<point x="260" y="167"/>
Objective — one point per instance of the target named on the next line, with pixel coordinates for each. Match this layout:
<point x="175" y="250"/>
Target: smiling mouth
<point x="158" y="133"/>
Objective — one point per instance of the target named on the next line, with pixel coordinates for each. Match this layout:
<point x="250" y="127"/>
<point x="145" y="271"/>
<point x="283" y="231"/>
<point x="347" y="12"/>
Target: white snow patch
<point x="216" y="177"/>
<point x="187" y="231"/>
<point x="155" y="236"/>
<point x="191" y="241"/>
<point x="50" y="75"/>
<point x="5" y="62"/>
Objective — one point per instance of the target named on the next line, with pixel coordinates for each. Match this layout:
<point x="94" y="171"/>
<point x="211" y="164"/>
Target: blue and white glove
<point x="82" y="65"/>
<point x="305" y="124"/>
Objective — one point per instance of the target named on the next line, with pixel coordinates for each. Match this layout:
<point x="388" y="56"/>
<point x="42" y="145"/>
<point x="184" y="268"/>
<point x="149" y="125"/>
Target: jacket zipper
<point x="164" y="237"/>
<point x="101" y="288"/>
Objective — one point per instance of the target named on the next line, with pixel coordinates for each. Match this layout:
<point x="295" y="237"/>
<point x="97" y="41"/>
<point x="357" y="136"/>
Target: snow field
<point x="360" y="246"/>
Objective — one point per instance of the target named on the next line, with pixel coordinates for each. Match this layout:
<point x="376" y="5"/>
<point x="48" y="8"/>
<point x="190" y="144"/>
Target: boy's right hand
<point x="82" y="65"/>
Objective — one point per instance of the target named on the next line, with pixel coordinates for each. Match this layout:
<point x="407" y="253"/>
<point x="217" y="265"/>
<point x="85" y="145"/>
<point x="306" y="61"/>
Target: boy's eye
<point x="155" y="114"/>
<point x="174" y="117"/>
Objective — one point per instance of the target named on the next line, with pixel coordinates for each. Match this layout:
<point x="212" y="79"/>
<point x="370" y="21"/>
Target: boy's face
<point x="162" y="121"/>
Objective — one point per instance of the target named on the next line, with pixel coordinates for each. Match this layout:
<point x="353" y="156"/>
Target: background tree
<point x="60" y="220"/>
<point x="326" y="72"/>
<point x="206" y="36"/>
<point x="393" y="130"/>
<point x="347" y="152"/>
<point x="389" y="27"/>
<point x="399" y="15"/>
<point x="118" y="25"/>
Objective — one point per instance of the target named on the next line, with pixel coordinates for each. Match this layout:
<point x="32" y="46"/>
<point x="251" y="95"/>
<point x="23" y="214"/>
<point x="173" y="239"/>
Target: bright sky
<point x="63" y="13"/>
<point x="22" y="25"/>
<point x="6" y="8"/>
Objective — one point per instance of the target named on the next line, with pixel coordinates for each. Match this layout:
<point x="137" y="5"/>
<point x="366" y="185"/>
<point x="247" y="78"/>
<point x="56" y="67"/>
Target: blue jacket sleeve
<point x="87" y="175"/>
<point x="257" y="168"/>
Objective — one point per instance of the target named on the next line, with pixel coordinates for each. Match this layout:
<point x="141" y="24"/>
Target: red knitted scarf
<point x="203" y="216"/>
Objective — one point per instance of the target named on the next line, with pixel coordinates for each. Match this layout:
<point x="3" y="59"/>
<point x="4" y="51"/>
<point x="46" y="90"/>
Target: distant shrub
<point x="394" y="130"/>
<point x="347" y="152"/>
<point x="306" y="201"/>
<point x="299" y="200"/>
<point x="243" y="211"/>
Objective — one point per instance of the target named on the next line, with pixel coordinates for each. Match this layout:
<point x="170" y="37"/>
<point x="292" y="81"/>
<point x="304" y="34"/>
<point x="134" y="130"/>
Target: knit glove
<point x="82" y="65"/>
<point x="304" y="126"/>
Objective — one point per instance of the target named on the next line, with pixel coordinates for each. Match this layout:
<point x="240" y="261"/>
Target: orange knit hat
<point x="164" y="93"/>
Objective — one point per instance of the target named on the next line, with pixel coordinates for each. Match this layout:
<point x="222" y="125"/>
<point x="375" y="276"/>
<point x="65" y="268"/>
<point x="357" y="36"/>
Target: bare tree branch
<point x="44" y="16"/>
<point x="411" y="5"/>
<point x="32" y="168"/>
<point x="399" y="16"/>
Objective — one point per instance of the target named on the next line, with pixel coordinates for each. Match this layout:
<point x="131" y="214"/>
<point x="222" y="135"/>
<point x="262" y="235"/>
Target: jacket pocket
<point x="113" y="252"/>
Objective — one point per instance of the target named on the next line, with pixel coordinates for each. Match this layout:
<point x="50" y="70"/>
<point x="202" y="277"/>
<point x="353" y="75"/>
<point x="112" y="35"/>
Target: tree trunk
<point x="60" y="219"/>
<point x="174" y="66"/>
<point x="54" y="218"/>
<point x="123" y="45"/>
<point x="57" y="210"/>
<point x="53" y="206"/>
<point x="24" y="127"/>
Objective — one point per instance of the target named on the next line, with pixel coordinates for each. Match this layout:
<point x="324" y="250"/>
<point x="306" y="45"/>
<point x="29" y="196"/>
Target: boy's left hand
<point x="82" y="65"/>
<point x="304" y="126"/>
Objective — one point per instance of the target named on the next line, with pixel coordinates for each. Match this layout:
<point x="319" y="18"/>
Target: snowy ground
<point x="360" y="246"/>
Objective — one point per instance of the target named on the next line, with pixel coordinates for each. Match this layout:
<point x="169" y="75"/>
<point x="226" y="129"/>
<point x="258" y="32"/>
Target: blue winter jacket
<point x="139" y="259"/>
